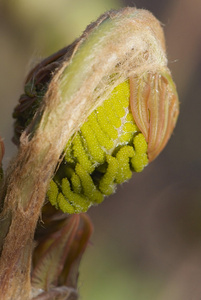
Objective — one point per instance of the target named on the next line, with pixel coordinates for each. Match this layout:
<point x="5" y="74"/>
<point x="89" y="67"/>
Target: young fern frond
<point x="134" y="106"/>
<point x="90" y="115"/>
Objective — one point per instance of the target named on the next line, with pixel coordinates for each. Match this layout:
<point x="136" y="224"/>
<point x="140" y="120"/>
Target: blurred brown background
<point x="147" y="239"/>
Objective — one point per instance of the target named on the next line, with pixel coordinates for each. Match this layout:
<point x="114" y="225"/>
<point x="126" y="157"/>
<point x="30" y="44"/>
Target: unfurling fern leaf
<point x="121" y="135"/>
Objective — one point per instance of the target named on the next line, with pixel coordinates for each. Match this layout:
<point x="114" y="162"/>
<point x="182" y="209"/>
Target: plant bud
<point x="127" y="105"/>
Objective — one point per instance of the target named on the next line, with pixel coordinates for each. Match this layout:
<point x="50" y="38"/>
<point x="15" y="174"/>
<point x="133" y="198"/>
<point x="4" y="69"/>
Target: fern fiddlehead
<point x="121" y="135"/>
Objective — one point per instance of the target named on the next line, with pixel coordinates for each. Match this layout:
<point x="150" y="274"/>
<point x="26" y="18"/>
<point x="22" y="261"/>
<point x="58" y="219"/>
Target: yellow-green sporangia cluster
<point x="102" y="154"/>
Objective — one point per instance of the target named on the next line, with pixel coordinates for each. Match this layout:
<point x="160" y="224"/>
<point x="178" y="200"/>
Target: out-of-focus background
<point x="147" y="239"/>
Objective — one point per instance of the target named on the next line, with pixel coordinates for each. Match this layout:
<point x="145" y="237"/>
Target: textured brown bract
<point x="155" y="108"/>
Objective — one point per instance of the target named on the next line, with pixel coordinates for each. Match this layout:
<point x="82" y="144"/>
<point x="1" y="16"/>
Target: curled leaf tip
<point x="57" y="256"/>
<point x="155" y="107"/>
